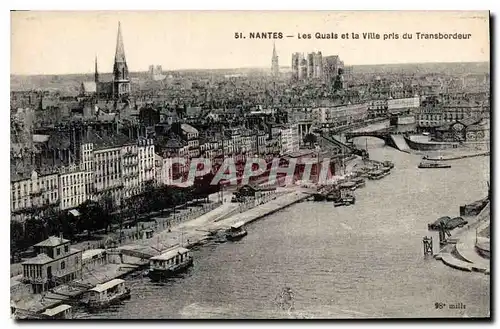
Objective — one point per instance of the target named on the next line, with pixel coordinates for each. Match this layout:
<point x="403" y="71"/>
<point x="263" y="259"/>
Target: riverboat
<point x="236" y="231"/>
<point x="61" y="312"/>
<point x="105" y="294"/>
<point x="170" y="262"/>
<point x="433" y="165"/>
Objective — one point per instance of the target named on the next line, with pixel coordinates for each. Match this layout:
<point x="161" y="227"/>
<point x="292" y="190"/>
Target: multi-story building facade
<point x="430" y="117"/>
<point x="403" y="104"/>
<point x="290" y="141"/>
<point x="190" y="135"/>
<point x="33" y="193"/>
<point x="107" y="172"/>
<point x="377" y="108"/>
<point x="130" y="170"/>
<point x="356" y="113"/>
<point x="73" y="185"/>
<point x="146" y="159"/>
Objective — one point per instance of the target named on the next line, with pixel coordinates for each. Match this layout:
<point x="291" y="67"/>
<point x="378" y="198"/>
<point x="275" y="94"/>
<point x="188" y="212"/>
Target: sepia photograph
<point x="250" y="165"/>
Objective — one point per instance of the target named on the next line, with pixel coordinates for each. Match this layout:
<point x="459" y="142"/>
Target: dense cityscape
<point x="95" y="164"/>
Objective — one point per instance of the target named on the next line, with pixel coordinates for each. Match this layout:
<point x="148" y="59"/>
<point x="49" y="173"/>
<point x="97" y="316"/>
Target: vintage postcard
<point x="250" y="165"/>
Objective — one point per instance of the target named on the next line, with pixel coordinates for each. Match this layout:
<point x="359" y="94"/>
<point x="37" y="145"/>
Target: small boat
<point x="388" y="164"/>
<point x="385" y="170"/>
<point x="376" y="174"/>
<point x="173" y="260"/>
<point x="106" y="294"/>
<point x="346" y="200"/>
<point x="236" y="232"/>
<point x="433" y="165"/>
<point x="350" y="185"/>
<point x="359" y="181"/>
<point x="62" y="311"/>
<point x="350" y="199"/>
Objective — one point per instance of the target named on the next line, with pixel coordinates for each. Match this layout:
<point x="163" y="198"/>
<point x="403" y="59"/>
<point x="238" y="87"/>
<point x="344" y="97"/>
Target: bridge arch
<point x="380" y="135"/>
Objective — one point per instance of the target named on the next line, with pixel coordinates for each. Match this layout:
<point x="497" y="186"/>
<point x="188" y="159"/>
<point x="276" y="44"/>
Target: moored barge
<point x="170" y="262"/>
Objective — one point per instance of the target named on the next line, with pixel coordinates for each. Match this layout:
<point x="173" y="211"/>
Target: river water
<point x="364" y="260"/>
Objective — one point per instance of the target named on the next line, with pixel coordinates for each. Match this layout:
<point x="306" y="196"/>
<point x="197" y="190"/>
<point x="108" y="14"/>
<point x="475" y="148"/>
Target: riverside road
<point x="360" y="261"/>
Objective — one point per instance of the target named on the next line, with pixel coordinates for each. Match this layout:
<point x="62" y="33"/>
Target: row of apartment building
<point x="119" y="168"/>
<point x="344" y="115"/>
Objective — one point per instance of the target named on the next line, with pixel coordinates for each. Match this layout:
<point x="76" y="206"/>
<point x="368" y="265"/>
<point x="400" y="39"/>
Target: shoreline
<point x="458" y="157"/>
<point x="132" y="255"/>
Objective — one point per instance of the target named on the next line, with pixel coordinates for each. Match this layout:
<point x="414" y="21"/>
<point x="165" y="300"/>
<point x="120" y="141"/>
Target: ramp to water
<point x="400" y="143"/>
<point x="337" y="143"/>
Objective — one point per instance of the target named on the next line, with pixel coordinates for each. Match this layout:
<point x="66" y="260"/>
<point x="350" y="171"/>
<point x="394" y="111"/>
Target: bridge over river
<point x="392" y="135"/>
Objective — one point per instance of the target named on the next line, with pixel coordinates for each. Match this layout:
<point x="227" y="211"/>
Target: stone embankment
<point x="457" y="157"/>
<point x="463" y="253"/>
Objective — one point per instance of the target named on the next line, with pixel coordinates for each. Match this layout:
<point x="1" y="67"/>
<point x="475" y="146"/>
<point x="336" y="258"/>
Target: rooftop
<point x="56" y="310"/>
<point x="106" y="141"/>
<point x="89" y="87"/>
<point x="91" y="253"/>
<point x="107" y="285"/>
<point x="171" y="253"/>
<point x="189" y="129"/>
<point x="38" y="260"/>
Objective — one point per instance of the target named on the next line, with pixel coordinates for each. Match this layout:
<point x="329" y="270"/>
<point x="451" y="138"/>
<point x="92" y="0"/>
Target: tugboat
<point x="433" y="165"/>
<point x="170" y="262"/>
<point x="236" y="232"/>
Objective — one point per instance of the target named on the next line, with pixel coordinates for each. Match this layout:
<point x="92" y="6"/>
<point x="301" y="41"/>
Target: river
<point x="364" y="260"/>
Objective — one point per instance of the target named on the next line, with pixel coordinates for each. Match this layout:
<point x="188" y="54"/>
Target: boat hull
<point x="434" y="167"/>
<point x="158" y="275"/>
<point x="94" y="305"/>
<point x="345" y="202"/>
<point x="235" y="237"/>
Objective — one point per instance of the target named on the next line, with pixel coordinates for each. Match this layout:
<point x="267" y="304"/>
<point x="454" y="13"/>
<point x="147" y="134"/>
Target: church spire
<point x="120" y="49"/>
<point x="121" y="82"/>
<point x="96" y="72"/>
<point x="274" y="62"/>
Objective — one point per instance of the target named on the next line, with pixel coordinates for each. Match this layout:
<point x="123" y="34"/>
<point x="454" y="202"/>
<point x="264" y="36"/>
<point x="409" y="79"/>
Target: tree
<point x="91" y="217"/>
<point x="310" y="139"/>
<point x="106" y="204"/>
<point x="34" y="230"/>
<point x="16" y="237"/>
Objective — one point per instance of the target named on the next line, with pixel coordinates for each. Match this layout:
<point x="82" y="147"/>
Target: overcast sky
<point x="67" y="42"/>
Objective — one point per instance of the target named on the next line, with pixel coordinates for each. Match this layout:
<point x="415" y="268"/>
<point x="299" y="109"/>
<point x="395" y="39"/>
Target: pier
<point x="465" y="250"/>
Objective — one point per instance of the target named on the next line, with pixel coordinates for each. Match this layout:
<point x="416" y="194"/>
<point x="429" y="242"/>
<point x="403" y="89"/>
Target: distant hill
<point x="70" y="83"/>
<point x="425" y="68"/>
